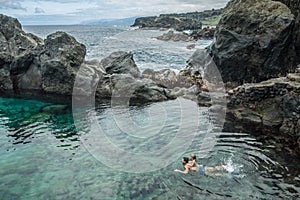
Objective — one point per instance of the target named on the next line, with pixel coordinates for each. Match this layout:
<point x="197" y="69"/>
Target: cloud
<point x="16" y="5"/>
<point x="38" y="10"/>
<point x="129" y="8"/>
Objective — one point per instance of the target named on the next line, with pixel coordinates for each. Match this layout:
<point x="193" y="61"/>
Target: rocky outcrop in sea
<point x="206" y="33"/>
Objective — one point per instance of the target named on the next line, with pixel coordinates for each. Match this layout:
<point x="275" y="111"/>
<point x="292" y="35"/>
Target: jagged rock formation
<point x="121" y="63"/>
<point x="30" y="63"/>
<point x="254" y="41"/>
<point x="123" y="79"/>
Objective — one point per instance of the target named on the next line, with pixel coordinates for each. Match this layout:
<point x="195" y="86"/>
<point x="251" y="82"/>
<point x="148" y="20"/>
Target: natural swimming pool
<point x="44" y="157"/>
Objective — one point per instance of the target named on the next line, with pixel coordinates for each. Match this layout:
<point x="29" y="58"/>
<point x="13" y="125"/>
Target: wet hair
<point x="186" y="160"/>
<point x="193" y="156"/>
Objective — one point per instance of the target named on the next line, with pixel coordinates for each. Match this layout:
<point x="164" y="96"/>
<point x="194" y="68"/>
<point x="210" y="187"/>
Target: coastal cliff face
<point x="294" y="5"/>
<point x="257" y="46"/>
<point x="254" y="41"/>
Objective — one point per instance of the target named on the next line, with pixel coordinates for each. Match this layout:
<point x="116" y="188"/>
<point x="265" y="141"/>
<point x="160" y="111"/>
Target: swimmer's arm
<point x="193" y="163"/>
<point x="184" y="172"/>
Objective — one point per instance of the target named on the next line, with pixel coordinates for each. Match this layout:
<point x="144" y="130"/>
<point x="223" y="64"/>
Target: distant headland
<point x="181" y="21"/>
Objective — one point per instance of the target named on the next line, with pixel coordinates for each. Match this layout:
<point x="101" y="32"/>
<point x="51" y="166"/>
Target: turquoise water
<point x="42" y="156"/>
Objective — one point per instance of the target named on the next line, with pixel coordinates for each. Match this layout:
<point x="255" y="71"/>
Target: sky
<point x="56" y="12"/>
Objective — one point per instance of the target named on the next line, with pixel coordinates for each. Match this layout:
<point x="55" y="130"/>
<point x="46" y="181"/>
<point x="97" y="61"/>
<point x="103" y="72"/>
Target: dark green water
<point x="42" y="156"/>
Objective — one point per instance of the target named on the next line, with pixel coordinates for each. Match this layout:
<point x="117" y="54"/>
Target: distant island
<point x="109" y="22"/>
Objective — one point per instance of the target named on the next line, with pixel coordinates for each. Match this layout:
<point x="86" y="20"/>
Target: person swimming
<point x="187" y="166"/>
<point x="193" y="161"/>
<point x="192" y="165"/>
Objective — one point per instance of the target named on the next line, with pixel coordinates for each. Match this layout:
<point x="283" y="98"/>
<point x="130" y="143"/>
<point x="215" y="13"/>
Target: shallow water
<point x="43" y="156"/>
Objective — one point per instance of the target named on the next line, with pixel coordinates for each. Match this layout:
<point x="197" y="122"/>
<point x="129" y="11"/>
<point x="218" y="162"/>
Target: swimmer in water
<point x="192" y="165"/>
<point x="193" y="162"/>
<point x="187" y="167"/>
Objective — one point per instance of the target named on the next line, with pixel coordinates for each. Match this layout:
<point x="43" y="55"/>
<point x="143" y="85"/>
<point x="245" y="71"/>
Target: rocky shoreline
<point x="258" y="40"/>
<point x="178" y="23"/>
<point x="50" y="66"/>
<point x="270" y="108"/>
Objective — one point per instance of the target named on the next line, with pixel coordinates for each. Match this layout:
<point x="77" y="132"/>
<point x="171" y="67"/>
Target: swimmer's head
<point x="193" y="156"/>
<point x="185" y="160"/>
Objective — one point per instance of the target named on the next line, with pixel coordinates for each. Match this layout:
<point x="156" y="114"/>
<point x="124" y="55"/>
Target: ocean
<point x="149" y="52"/>
<point x="132" y="152"/>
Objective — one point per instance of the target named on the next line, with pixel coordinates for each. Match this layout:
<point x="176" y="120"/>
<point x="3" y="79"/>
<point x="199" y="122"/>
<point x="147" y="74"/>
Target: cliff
<point x="256" y="46"/>
<point x="254" y="41"/>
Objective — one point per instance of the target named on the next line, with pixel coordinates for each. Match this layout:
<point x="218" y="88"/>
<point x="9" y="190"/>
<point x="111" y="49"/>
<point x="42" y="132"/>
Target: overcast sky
<point x="32" y="12"/>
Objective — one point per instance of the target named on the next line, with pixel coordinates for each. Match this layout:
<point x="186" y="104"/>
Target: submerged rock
<point x="54" y="109"/>
<point x="254" y="41"/>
